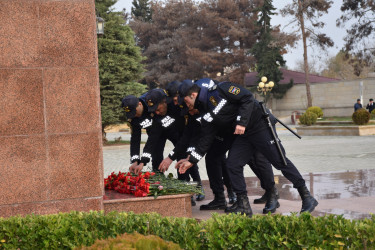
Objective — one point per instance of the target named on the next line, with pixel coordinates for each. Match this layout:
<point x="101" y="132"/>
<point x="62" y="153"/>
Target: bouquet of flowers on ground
<point x="148" y="184"/>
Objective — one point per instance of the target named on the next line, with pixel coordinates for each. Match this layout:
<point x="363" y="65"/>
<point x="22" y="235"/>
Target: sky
<point x="295" y="55"/>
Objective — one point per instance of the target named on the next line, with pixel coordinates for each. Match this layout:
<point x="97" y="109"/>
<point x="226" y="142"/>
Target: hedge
<point x="70" y="230"/>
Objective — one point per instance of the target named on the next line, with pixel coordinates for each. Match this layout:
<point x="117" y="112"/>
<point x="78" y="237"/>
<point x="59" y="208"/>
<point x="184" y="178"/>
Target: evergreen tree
<point x="267" y="53"/>
<point x="141" y="10"/>
<point x="120" y="64"/>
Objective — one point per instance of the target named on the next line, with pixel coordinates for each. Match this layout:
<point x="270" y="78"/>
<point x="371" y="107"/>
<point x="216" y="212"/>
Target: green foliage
<point x="308" y="118"/>
<point x="141" y="10"/>
<point x="269" y="58"/>
<point x="120" y="64"/>
<point x="361" y="117"/>
<point x="75" y="229"/>
<point x="373" y="114"/>
<point x="316" y="110"/>
<point x="133" y="241"/>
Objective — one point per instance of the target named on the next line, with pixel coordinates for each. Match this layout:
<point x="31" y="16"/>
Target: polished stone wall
<point x="50" y="130"/>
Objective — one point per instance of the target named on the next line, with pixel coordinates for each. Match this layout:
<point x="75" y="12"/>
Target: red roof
<point x="298" y="78"/>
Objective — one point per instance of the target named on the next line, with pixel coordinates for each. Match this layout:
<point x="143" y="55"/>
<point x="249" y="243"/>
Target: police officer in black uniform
<point x="139" y="118"/>
<point x="215" y="158"/>
<point x="217" y="168"/>
<point x="236" y="108"/>
<point x="186" y="143"/>
<point x="180" y="113"/>
<point x="164" y="127"/>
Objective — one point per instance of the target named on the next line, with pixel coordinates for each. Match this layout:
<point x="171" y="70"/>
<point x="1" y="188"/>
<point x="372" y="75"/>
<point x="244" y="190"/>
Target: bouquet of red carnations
<point x="147" y="183"/>
<point x="126" y="183"/>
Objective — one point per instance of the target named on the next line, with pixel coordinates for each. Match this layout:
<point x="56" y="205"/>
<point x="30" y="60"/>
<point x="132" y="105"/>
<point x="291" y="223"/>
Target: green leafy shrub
<point x="373" y="114"/>
<point x="133" y="241"/>
<point x="361" y="117"/>
<point x="308" y="118"/>
<point x="70" y="230"/>
<point x="316" y="110"/>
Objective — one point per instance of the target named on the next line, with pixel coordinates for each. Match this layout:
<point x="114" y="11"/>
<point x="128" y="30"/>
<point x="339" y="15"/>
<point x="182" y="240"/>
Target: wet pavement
<point x="348" y="193"/>
<point x="339" y="171"/>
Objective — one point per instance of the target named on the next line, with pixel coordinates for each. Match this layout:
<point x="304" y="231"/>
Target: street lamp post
<point x="264" y="86"/>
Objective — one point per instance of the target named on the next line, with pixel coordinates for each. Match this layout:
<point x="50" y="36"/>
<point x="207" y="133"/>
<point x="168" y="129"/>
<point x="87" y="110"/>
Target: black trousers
<point x="194" y="174"/>
<point x="216" y="167"/>
<point x="262" y="168"/>
<point x="157" y="154"/>
<point x="245" y="146"/>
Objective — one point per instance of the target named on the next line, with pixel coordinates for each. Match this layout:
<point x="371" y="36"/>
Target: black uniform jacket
<point x="168" y="126"/>
<point x="190" y="136"/>
<point x="137" y="124"/>
<point x="224" y="106"/>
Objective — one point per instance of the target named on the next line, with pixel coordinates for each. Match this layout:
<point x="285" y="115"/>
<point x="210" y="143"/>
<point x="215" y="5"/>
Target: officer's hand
<point x="164" y="165"/>
<point x="240" y="130"/>
<point x="132" y="167"/>
<point x="183" y="165"/>
<point x="138" y="168"/>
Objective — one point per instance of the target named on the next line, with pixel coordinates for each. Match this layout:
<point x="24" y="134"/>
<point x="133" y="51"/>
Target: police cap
<point x="153" y="98"/>
<point x="184" y="89"/>
<point x="206" y="82"/>
<point x="172" y="90"/>
<point x="130" y="103"/>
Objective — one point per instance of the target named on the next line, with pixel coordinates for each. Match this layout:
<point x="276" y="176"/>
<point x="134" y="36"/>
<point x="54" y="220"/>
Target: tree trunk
<point x="305" y="61"/>
<point x="104" y="135"/>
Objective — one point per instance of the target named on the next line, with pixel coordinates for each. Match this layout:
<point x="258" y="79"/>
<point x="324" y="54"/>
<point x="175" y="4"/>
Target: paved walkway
<point x="309" y="154"/>
<point x="331" y="165"/>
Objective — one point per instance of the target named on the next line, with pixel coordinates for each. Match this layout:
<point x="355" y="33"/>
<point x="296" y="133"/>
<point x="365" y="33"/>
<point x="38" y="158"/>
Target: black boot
<point x="272" y="201"/>
<point x="308" y="202"/>
<point x="231" y="196"/>
<point x="218" y="203"/>
<point x="263" y="199"/>
<point x="241" y="206"/>
<point x="200" y="197"/>
<point x="193" y="203"/>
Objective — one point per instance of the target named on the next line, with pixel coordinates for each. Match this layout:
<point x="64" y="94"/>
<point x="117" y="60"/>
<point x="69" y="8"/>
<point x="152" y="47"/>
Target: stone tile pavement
<point x="309" y="154"/>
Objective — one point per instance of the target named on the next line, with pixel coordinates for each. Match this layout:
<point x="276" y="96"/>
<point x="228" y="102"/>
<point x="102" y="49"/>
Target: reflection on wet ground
<point x="323" y="186"/>
<point x="353" y="215"/>
<point x="332" y="185"/>
<point x="328" y="185"/>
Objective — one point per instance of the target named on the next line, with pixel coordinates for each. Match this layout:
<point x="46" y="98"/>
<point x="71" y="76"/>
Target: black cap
<point x="172" y="90"/>
<point x="358" y="100"/>
<point x="371" y="99"/>
<point x="153" y="98"/>
<point x="206" y="82"/>
<point x="130" y="103"/>
<point x="184" y="89"/>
